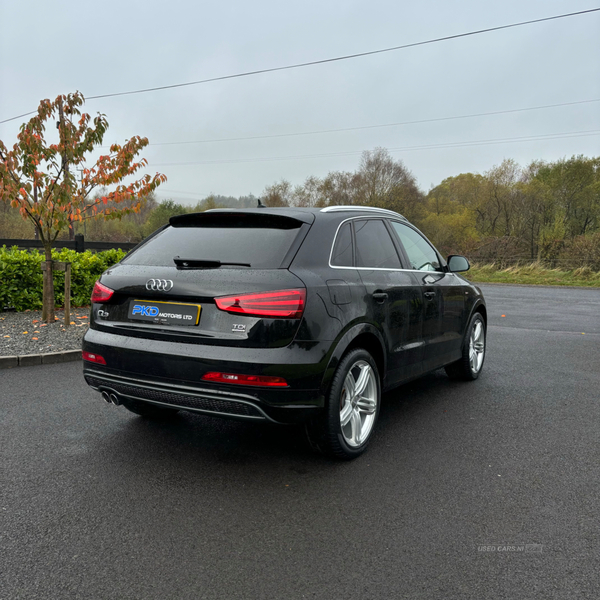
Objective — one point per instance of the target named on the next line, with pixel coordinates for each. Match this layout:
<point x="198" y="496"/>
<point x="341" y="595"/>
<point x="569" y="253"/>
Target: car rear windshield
<point x="262" y="243"/>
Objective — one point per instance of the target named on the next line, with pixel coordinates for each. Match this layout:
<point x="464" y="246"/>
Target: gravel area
<point x="25" y="333"/>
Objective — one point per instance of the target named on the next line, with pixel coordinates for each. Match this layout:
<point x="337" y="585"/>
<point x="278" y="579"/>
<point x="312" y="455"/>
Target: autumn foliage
<point x="53" y="184"/>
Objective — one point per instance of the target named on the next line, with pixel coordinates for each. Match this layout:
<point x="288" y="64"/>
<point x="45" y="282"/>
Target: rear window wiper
<point x="195" y="263"/>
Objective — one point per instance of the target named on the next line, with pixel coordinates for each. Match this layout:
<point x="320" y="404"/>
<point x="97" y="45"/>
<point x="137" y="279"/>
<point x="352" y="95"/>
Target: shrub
<point x="583" y="251"/>
<point x="504" y="251"/>
<point x="21" y="276"/>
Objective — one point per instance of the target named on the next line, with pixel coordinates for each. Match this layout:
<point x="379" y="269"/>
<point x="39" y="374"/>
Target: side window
<point x="374" y="246"/>
<point x="420" y="253"/>
<point x="342" y="250"/>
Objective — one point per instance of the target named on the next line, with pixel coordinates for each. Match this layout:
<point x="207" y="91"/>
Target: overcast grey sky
<point x="49" y="48"/>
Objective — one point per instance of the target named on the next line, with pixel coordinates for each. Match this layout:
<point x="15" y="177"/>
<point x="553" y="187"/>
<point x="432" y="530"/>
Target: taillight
<point x="91" y="357"/>
<point x="265" y="380"/>
<point x="101" y="293"/>
<point x="281" y="304"/>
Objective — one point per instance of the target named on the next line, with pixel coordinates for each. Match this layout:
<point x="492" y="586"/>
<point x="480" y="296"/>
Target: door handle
<point x="429" y="295"/>
<point x="380" y="297"/>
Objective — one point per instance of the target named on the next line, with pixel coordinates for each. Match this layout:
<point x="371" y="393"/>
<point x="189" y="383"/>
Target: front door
<point x="443" y="299"/>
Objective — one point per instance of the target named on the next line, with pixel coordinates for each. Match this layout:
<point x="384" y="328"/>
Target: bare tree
<point x="278" y="194"/>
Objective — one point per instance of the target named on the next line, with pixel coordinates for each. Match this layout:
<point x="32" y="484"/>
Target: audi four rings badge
<point x="159" y="285"/>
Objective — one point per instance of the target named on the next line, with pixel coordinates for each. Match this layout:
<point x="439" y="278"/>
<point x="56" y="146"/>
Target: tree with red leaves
<point x="39" y="178"/>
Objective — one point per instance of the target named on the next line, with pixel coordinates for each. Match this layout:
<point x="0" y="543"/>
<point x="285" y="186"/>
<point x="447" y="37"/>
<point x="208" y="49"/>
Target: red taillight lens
<point x="91" y="357"/>
<point x="281" y="304"/>
<point x="265" y="380"/>
<point x="101" y="293"/>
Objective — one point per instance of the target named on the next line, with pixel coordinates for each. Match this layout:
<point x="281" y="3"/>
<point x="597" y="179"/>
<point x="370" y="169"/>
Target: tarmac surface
<point x="486" y="489"/>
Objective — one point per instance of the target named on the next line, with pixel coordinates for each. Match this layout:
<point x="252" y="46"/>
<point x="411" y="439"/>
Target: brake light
<point x="91" y="357"/>
<point x="280" y="304"/>
<point x="265" y="380"/>
<point x="101" y="293"/>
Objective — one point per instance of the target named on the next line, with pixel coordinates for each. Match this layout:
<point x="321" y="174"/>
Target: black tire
<point x="327" y="434"/>
<point x="468" y="367"/>
<point x="148" y="410"/>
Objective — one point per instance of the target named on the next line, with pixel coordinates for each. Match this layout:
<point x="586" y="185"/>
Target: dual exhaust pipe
<point x="111" y="398"/>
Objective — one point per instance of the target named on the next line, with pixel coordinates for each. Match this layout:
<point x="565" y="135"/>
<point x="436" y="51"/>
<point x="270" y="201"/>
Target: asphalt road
<point x="98" y="503"/>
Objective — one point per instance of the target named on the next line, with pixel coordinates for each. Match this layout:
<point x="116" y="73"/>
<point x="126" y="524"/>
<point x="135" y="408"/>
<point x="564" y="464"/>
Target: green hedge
<point x="21" y="276"/>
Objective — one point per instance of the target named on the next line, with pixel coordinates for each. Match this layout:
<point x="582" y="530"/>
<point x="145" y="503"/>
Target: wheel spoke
<point x="356" y="427"/>
<point x="366" y="406"/>
<point x="363" y="380"/>
<point x="480" y="352"/>
<point x="350" y="386"/>
<point x="346" y="413"/>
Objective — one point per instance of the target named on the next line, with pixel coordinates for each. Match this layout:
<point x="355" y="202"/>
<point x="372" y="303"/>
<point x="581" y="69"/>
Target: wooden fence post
<point x="67" y="294"/>
<point x="79" y="243"/>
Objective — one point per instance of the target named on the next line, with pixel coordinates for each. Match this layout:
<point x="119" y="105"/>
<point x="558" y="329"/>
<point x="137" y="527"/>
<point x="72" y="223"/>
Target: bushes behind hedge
<point x="21" y="276"/>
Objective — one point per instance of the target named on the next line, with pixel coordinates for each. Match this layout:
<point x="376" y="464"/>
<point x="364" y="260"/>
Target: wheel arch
<point x="364" y="336"/>
<point x="481" y="308"/>
<point x="478" y="307"/>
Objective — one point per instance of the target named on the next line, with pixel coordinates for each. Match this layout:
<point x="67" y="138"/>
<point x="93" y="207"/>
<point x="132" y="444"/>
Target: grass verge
<point x="533" y="274"/>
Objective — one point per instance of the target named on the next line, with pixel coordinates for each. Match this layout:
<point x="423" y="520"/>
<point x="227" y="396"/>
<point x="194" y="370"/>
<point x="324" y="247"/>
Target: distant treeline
<point x="132" y="227"/>
<point x="546" y="211"/>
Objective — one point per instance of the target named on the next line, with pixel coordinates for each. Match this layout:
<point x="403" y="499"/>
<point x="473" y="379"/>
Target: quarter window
<point x="420" y="253"/>
<point x="374" y="246"/>
<point x="342" y="250"/>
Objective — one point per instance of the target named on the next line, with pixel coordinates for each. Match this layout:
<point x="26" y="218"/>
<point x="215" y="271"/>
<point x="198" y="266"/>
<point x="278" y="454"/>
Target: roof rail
<point x="357" y="208"/>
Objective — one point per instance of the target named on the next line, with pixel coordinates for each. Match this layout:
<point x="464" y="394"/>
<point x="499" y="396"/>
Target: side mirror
<point x="458" y="264"/>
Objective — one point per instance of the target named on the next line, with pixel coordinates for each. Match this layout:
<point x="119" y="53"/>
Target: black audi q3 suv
<point x="286" y="315"/>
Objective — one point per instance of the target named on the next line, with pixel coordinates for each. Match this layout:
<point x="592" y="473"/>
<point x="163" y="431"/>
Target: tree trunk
<point x="48" y="294"/>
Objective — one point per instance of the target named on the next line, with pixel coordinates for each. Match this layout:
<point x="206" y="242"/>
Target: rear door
<point x="392" y="295"/>
<point x="443" y="298"/>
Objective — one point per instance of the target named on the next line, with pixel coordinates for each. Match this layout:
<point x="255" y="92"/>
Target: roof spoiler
<point x="253" y="217"/>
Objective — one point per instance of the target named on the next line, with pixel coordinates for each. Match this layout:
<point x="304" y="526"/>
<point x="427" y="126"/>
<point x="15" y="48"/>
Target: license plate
<point x="164" y="313"/>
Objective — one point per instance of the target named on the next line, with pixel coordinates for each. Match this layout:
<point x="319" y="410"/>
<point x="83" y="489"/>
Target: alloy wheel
<point x="358" y="403"/>
<point x="477" y="346"/>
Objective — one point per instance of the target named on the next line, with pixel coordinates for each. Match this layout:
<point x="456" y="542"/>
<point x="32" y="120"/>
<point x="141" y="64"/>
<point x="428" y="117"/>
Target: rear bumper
<point x="170" y="374"/>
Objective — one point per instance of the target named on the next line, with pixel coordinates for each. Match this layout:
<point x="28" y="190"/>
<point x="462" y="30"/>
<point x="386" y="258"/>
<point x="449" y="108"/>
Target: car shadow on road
<point x="196" y="440"/>
<point x="415" y="396"/>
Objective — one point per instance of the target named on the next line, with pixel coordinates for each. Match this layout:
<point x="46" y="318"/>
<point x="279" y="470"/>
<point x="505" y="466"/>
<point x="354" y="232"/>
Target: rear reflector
<point x="101" y="293"/>
<point x="264" y="380"/>
<point x="91" y="357"/>
<point x="280" y="304"/>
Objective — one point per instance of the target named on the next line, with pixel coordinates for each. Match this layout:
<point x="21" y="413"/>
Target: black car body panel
<point x="411" y="321"/>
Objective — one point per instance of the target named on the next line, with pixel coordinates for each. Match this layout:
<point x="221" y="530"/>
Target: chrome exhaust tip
<point x="106" y="396"/>
<point x="115" y="399"/>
